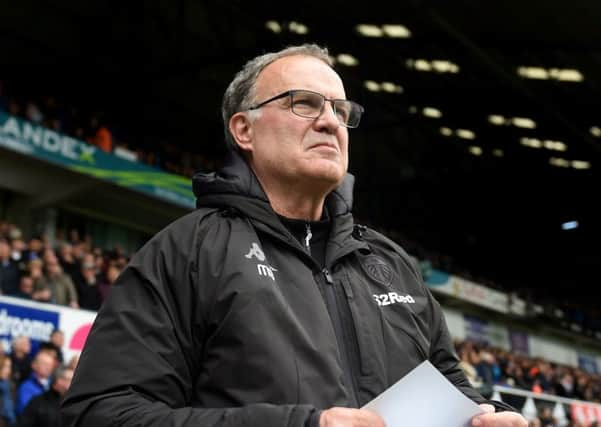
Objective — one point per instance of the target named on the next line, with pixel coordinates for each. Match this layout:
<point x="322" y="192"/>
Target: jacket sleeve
<point x="143" y="354"/>
<point x="25" y="393"/>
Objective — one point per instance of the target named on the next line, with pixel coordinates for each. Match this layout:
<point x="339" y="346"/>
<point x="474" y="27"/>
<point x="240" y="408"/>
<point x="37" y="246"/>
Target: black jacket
<point x="223" y="319"/>
<point x="42" y="411"/>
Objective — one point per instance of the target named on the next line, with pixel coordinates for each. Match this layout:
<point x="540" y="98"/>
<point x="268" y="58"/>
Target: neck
<point x="291" y="200"/>
<point x="297" y="205"/>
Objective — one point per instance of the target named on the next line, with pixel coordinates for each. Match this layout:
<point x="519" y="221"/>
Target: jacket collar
<point x="236" y="178"/>
<point x="236" y="188"/>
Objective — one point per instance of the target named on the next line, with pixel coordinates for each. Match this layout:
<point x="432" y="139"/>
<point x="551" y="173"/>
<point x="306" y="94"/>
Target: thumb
<point x="487" y="407"/>
<point x="479" y="420"/>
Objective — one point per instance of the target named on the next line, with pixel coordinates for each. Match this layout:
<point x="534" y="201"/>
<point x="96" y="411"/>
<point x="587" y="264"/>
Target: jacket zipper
<point x="308" y="237"/>
<point x="342" y="328"/>
<point x="333" y="311"/>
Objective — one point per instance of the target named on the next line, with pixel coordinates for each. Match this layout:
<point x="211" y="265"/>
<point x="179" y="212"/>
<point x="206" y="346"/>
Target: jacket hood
<point x="236" y="186"/>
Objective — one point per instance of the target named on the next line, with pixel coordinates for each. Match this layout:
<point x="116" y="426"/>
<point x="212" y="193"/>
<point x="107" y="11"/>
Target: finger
<point x="487" y="407"/>
<point x="373" y="419"/>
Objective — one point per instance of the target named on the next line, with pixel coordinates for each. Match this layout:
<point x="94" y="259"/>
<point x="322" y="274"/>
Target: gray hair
<point x="240" y="94"/>
<point x="60" y="372"/>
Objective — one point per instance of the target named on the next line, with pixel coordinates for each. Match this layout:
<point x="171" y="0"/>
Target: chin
<point x="328" y="178"/>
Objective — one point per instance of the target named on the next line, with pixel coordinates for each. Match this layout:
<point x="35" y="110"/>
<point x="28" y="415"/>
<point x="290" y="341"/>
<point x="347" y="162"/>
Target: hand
<point x="498" y="419"/>
<point x="348" y="417"/>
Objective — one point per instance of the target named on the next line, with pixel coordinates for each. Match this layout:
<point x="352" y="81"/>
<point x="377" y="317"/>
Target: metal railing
<point x="563" y="409"/>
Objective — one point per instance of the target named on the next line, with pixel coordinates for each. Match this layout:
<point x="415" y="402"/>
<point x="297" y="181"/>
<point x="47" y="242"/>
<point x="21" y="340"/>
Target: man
<point x="61" y="287"/>
<point x="44" y="410"/>
<point x="25" y="290"/>
<point x="9" y="270"/>
<point x="267" y="306"/>
<point x="20" y="356"/>
<point x="57" y="339"/>
<point x="68" y="261"/>
<point x="42" y="366"/>
<point x="86" y="283"/>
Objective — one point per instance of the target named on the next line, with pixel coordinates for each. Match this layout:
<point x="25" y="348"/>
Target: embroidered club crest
<point x="376" y="268"/>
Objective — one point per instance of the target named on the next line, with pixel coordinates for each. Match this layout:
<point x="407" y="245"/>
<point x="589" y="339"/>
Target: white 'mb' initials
<point x="266" y="270"/>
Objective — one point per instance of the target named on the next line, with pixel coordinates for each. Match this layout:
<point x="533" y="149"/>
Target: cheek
<point x="344" y="149"/>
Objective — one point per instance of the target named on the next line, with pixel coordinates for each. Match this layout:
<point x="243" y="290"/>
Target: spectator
<point x="99" y="260"/>
<point x="468" y="357"/>
<point x="104" y="139"/>
<point x="541" y="375"/>
<point x="68" y="261"/>
<point x="38" y="382"/>
<point x="7" y="409"/>
<point x="25" y="290"/>
<point x="515" y="376"/>
<point x="112" y="272"/>
<point x="79" y="251"/>
<point x="564" y="387"/>
<point x="44" y="410"/>
<point x="9" y="271"/>
<point x="34" y="249"/>
<point x="546" y="417"/>
<point x="33" y="113"/>
<point x="582" y="382"/>
<point x="50" y="349"/>
<point x="486" y="368"/>
<point x="62" y="289"/>
<point x="20" y="358"/>
<point x="87" y="284"/>
<point x="58" y="339"/>
<point x="41" y="291"/>
<point x="17" y="245"/>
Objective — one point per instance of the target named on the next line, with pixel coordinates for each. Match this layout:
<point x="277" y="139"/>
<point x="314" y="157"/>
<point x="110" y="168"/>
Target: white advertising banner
<point x="37" y="321"/>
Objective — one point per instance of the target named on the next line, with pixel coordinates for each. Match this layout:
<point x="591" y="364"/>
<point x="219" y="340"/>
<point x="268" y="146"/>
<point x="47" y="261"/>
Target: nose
<point x="327" y="120"/>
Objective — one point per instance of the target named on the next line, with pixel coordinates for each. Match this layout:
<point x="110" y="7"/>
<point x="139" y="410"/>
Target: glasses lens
<point x="310" y="105"/>
<point x="349" y="113"/>
<point x="344" y="110"/>
<point x="307" y="104"/>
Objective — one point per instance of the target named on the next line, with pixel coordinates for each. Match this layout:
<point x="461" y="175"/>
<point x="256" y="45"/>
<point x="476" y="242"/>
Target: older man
<point x="42" y="366"/>
<point x="44" y="410"/>
<point x="267" y="306"/>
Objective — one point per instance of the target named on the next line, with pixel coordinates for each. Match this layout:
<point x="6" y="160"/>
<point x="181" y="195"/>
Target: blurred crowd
<point x="96" y="127"/>
<point x="32" y="383"/>
<point x="486" y="366"/>
<point x="72" y="272"/>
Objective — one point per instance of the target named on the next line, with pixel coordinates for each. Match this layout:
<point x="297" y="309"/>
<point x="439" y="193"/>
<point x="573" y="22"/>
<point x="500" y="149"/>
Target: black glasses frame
<point x="291" y="93"/>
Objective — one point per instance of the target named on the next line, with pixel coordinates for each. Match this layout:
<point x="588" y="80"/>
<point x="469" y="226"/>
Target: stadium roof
<point x="482" y="132"/>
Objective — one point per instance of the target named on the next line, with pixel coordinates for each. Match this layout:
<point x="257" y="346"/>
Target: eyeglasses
<point x="310" y="105"/>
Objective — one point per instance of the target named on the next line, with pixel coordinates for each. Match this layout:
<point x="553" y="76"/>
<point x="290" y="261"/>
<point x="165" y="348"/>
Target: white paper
<point x="425" y="398"/>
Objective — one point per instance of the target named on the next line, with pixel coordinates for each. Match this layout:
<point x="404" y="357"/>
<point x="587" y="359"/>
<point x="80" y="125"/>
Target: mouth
<point x="324" y="145"/>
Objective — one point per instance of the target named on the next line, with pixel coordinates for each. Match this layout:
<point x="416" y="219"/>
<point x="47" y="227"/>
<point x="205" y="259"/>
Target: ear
<point x="241" y="129"/>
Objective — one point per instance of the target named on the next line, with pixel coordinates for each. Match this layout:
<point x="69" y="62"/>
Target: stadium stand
<point x="65" y="235"/>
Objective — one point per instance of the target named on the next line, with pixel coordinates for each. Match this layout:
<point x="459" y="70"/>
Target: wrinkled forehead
<point x="299" y="72"/>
